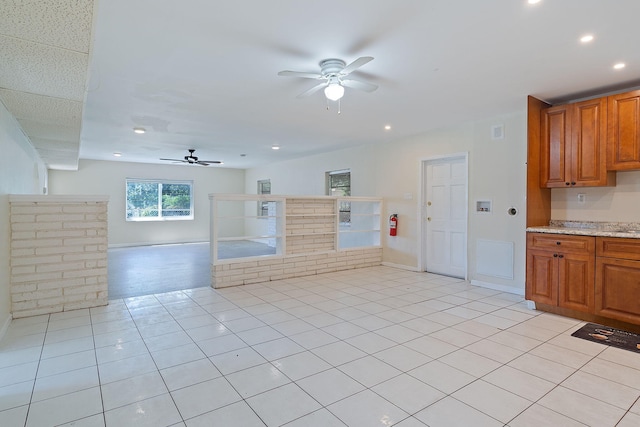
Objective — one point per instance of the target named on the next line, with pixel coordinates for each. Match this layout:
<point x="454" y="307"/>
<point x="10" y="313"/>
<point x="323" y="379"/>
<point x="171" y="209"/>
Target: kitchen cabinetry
<point x="624" y="131"/>
<point x="560" y="270"/>
<point x="573" y="145"/>
<point x="617" y="284"/>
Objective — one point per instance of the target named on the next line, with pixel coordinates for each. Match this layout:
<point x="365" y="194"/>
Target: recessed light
<point x="116" y="154"/>
<point x="586" y="38"/>
<point x="275" y="147"/>
<point x="619" y="66"/>
<point x="139" y="130"/>
<point x="533" y="1"/>
<point x="387" y="127"/>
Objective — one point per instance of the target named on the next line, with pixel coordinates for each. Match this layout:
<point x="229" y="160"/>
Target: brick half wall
<point x="58" y="253"/>
<point x="257" y="271"/>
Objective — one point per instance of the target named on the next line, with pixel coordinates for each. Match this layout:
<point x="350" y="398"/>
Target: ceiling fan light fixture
<point x="334" y="91"/>
<point x="139" y="131"/>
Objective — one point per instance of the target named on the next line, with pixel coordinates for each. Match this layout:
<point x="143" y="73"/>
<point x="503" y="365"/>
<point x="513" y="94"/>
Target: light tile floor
<point x="370" y="347"/>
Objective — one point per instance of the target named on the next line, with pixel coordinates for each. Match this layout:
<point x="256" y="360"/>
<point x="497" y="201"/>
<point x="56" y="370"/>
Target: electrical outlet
<point x="582" y="198"/>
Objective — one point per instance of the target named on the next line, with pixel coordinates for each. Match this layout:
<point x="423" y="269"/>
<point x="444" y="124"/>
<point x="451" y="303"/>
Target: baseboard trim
<point x="401" y="266"/>
<point x="5" y="326"/>
<point x="496" y="287"/>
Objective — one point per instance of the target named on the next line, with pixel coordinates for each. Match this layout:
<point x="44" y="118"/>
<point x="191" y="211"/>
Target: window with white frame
<point x="339" y="184"/>
<point x="158" y="200"/>
<point x="264" y="187"/>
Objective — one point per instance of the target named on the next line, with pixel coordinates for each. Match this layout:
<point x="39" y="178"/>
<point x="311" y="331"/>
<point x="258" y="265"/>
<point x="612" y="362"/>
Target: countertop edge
<point x="583" y="232"/>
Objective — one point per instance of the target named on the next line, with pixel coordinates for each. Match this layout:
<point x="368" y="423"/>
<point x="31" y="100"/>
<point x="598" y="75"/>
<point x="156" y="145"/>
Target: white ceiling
<point x="203" y="74"/>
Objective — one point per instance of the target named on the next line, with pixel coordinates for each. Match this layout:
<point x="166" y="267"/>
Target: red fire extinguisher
<point x="393" y="225"/>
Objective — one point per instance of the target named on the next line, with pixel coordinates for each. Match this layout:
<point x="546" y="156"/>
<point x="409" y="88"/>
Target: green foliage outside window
<point x="339" y="184"/>
<point x="148" y="200"/>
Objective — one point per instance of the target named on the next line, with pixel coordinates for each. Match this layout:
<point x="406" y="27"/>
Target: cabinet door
<point x="575" y="281"/>
<point x="617" y="288"/>
<point x="624" y="131"/>
<point x="542" y="277"/>
<point x="555" y="147"/>
<point x="588" y="144"/>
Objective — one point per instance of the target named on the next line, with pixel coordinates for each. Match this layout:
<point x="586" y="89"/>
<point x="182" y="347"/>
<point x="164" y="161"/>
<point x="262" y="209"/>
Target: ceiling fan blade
<point x="300" y="74"/>
<point x="213" y="162"/>
<point x="357" y="84"/>
<point x="312" y="90"/>
<point x="174" y="160"/>
<point x="356" y="64"/>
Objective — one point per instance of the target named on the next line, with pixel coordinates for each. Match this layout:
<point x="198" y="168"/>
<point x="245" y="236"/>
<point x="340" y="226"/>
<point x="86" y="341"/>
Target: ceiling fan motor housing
<point x="191" y="158"/>
<point x="331" y="67"/>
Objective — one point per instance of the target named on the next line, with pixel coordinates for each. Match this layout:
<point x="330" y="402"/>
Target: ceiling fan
<point x="193" y="160"/>
<point x="334" y="74"/>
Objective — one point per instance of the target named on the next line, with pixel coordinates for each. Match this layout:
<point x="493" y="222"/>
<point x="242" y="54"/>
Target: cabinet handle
<point x="558" y="243"/>
<point x="573" y="183"/>
<point x="560" y="256"/>
<point x="566" y="183"/>
<point x="555" y="255"/>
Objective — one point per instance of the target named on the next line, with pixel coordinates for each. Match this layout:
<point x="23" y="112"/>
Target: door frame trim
<point x="421" y="211"/>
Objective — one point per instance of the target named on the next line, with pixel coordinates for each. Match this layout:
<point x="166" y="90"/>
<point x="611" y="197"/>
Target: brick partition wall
<point x="256" y="271"/>
<point x="58" y="253"/>
<point x="310" y="236"/>
<point x="311" y="225"/>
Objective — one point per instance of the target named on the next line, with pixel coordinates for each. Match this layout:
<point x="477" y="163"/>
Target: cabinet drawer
<point x="617" y="247"/>
<point x="561" y="242"/>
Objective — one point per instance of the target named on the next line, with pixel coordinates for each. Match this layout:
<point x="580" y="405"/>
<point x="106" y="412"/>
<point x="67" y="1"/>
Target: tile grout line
<point x="35" y="378"/>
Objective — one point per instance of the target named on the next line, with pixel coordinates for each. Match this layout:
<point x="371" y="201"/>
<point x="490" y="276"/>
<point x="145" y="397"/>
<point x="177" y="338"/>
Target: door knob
<point x="428" y="203"/>
<point x="428" y="218"/>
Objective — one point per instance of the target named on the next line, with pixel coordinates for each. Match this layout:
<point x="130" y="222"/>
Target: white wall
<point x="497" y="170"/>
<point x="21" y="172"/>
<point x="616" y="204"/>
<point x="108" y="178"/>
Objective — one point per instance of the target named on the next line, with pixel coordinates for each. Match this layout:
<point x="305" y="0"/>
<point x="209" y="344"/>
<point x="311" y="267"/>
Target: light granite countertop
<point x="590" y="228"/>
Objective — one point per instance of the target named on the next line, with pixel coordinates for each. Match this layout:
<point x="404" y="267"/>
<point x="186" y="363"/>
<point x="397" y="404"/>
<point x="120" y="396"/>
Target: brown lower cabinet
<point x="560" y="270"/>
<point x="617" y="285"/>
<point x="599" y="276"/>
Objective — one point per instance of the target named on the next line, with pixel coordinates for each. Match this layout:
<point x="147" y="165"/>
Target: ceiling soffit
<point x="45" y="49"/>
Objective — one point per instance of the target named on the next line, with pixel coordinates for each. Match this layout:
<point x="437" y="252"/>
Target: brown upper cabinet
<point x="624" y="131"/>
<point x="573" y="150"/>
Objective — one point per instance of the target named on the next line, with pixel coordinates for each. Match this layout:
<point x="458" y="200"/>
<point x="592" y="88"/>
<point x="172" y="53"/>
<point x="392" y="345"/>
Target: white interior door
<point x="446" y="216"/>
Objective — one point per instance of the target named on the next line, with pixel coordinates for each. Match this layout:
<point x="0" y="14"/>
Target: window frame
<point x="159" y="183"/>
<point x="344" y="208"/>
<point x="263" y="207"/>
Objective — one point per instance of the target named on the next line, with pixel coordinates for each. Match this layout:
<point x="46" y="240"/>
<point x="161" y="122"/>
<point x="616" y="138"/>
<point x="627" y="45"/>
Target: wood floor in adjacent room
<point x="145" y="270"/>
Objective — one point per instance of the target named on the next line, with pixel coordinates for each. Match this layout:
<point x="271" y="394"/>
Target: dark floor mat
<point x="609" y="336"/>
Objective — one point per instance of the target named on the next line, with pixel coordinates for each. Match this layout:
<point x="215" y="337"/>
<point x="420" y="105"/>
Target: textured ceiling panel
<point x="27" y="106"/>
<point x="61" y="23"/>
<point x="35" y="129"/>
<point x="36" y="68"/>
<point x="44" y="57"/>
